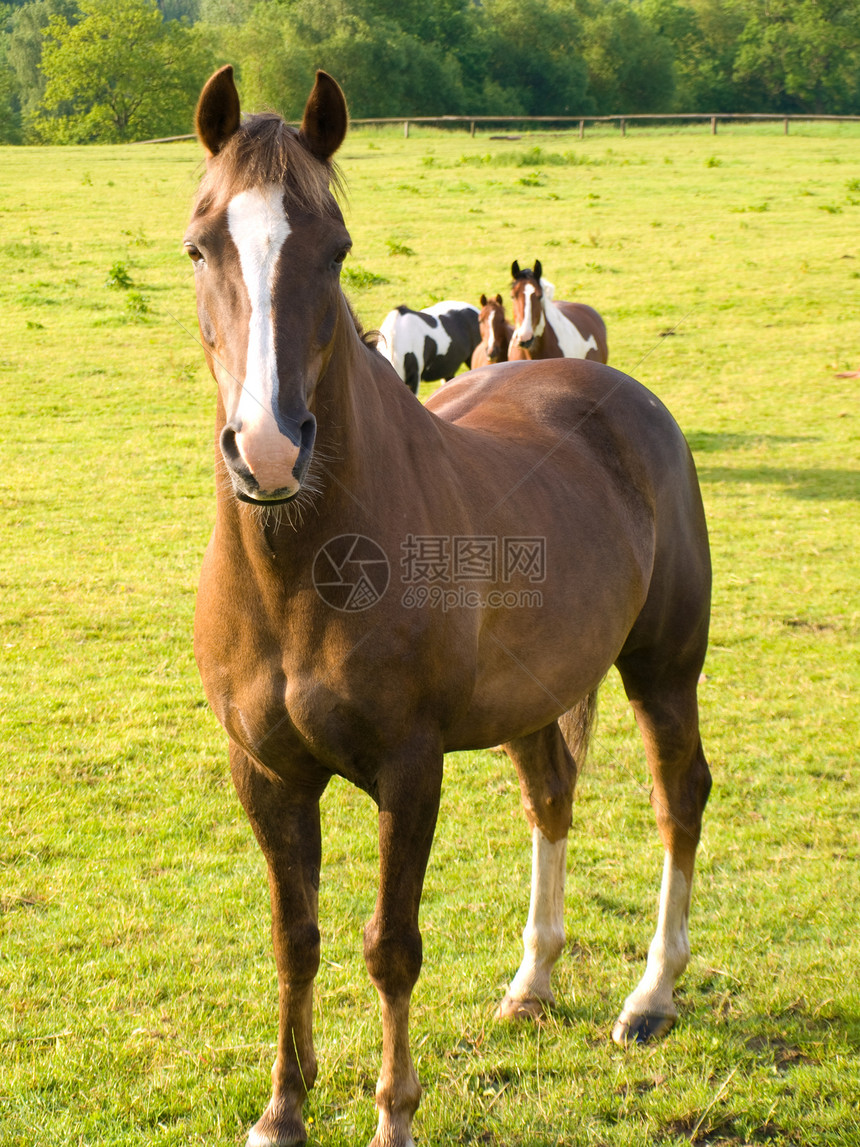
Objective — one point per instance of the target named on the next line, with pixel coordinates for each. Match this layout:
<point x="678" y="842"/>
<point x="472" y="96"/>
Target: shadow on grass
<point x="705" y="441"/>
<point x="812" y="485"/>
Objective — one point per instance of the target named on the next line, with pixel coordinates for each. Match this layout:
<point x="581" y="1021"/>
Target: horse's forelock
<point x="266" y="150"/>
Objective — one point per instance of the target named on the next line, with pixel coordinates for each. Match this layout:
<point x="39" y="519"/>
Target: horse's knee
<point x="393" y="959"/>
<point x="297" y="948"/>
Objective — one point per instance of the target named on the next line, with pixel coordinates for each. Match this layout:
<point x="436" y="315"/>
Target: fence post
<point x="406" y="129"/>
<point x="623" y="126"/>
<point x="582" y="129"/>
<point x="713" y="125"/>
<point x="785" y="126"/>
<point x="472" y="129"/>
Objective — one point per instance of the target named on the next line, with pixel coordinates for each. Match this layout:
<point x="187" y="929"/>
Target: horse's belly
<point x="548" y="646"/>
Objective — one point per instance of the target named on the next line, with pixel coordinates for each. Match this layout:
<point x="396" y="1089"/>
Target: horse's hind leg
<point x="663" y="697"/>
<point x="287" y="828"/>
<point x="547" y="773"/>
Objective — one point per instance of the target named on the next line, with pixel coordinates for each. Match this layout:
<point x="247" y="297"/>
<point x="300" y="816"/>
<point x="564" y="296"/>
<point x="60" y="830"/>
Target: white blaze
<point x="524" y="331"/>
<point x="258" y="226"/>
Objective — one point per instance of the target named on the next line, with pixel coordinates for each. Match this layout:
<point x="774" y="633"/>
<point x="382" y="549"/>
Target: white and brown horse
<point x="546" y="328"/>
<point x="338" y="494"/>
<point x="429" y="345"/>
<point x="495" y="331"/>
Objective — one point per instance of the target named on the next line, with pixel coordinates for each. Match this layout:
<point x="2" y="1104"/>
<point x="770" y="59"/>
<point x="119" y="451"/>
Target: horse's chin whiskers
<point x="292" y="513"/>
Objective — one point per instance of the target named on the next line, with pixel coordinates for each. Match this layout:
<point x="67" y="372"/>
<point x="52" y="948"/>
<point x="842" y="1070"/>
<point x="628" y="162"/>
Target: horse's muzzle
<point x="267" y="466"/>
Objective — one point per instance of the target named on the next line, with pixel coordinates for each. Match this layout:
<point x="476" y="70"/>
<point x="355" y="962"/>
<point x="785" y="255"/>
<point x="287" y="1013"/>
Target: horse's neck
<point x="365" y="417"/>
<point x="571" y="342"/>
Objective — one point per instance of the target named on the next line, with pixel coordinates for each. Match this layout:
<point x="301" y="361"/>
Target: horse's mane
<point x="548" y="289"/>
<point x="369" y="338"/>
<point x="563" y="328"/>
<point x="265" y="149"/>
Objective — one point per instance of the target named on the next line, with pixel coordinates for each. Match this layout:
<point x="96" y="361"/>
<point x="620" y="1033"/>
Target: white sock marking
<point x="543" y="935"/>
<point x="669" y="951"/>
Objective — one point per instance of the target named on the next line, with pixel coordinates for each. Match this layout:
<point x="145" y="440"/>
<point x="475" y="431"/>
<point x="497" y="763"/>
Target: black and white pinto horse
<point x="424" y="346"/>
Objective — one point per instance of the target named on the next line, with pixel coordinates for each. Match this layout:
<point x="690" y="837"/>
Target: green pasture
<point x="137" y="984"/>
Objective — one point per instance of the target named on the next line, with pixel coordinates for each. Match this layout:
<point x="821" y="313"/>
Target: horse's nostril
<point x="307" y="436"/>
<point x="229" y="446"/>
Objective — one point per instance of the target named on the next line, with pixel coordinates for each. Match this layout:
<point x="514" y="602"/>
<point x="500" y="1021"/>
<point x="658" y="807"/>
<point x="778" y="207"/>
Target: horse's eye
<point x="340" y="256"/>
<point x="194" y="253"/>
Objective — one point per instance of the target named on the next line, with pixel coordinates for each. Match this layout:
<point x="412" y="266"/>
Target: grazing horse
<point x="548" y="329"/>
<point x="555" y="504"/>
<point x="496" y="333"/>
<point x="424" y="346"/>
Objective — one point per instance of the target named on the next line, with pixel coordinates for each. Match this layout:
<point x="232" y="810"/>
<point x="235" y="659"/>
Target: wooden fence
<point x="473" y="122"/>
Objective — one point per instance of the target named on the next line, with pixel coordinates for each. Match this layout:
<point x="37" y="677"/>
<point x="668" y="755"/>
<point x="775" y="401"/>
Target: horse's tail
<point x="577" y="725"/>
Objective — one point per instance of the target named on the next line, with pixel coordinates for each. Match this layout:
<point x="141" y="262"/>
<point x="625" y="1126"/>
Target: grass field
<point x="137" y="985"/>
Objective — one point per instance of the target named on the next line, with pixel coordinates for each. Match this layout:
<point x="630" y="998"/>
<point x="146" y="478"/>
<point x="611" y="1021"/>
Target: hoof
<point x="531" y="1009"/>
<point x="277" y="1130"/>
<point x="630" y="1028"/>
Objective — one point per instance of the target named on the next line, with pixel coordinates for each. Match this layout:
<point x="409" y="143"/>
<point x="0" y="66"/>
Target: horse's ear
<point x="325" y="120"/>
<point x="483" y="300"/>
<point x="218" y="114"/>
<point x="515" y="270"/>
<point x="499" y="300"/>
<point x="538" y="270"/>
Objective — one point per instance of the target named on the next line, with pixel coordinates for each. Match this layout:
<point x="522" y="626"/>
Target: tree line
<point x="80" y="71"/>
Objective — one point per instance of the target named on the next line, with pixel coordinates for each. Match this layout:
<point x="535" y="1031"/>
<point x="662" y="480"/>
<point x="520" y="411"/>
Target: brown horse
<point x="496" y="333"/>
<point x="544" y="328"/>
<point x="387" y="582"/>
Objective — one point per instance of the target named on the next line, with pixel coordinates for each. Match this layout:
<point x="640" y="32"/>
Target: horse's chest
<point x="302" y="695"/>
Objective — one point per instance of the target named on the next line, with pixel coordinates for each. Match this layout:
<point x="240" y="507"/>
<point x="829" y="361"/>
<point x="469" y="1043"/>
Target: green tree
<point x="24" y="50"/>
<point x="629" y="63"/>
<point x="704" y="37"/>
<point x="802" y="55"/>
<point x="10" y="102"/>
<point x="121" y="73"/>
<point x="527" y="58"/>
<point x="383" y="69"/>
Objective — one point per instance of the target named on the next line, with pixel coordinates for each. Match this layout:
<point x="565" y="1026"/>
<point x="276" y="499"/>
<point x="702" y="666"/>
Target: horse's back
<point x="577" y="398"/>
<point x="598" y="433"/>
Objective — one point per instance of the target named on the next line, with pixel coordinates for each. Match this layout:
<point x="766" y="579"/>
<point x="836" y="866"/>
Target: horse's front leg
<point x="408" y="806"/>
<point x="286" y="823"/>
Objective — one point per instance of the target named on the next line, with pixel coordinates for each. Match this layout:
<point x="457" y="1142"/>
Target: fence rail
<point x="714" y="118"/>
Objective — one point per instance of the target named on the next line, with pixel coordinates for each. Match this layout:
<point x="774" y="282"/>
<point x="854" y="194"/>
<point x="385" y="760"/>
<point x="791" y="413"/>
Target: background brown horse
<point x="544" y="328"/>
<point x="387" y="582"/>
<point x="496" y="333"/>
